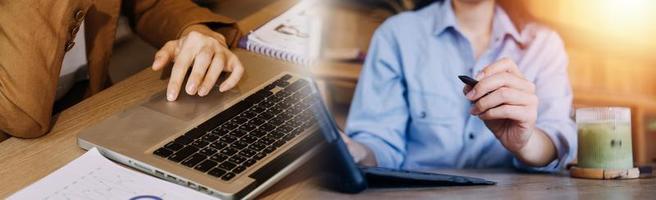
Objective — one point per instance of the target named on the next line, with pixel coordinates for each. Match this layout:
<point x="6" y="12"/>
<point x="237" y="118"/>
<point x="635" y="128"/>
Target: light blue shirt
<point x="409" y="108"/>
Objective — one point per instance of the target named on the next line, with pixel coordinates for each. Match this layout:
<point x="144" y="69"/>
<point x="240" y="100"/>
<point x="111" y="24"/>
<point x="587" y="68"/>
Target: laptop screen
<point x="346" y="175"/>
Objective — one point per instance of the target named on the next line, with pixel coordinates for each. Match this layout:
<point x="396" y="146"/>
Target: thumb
<point x="164" y="55"/>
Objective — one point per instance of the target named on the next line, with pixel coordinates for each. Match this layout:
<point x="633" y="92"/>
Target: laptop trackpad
<point x="188" y="107"/>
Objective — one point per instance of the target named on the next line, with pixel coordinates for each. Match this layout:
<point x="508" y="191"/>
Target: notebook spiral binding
<point x="253" y="45"/>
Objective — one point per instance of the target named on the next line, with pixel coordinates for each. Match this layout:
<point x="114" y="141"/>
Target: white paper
<point x="92" y="176"/>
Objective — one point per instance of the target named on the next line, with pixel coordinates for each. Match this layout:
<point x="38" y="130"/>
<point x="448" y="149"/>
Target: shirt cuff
<point x="230" y="33"/>
<point x="3" y="136"/>
<point x="552" y="167"/>
<point x="385" y="155"/>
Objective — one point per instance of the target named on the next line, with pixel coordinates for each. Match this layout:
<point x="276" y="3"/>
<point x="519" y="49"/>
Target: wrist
<point x="203" y="29"/>
<point x="527" y="149"/>
<point x="362" y="154"/>
<point x="539" y="150"/>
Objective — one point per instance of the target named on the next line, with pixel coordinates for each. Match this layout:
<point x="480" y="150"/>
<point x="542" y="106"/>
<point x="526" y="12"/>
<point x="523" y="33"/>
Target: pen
<point x="471" y="82"/>
<point x="468" y="80"/>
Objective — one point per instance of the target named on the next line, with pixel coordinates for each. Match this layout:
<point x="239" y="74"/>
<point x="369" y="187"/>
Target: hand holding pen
<point x="507" y="103"/>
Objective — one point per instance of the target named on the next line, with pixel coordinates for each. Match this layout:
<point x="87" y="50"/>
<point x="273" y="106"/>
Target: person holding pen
<point x="410" y="110"/>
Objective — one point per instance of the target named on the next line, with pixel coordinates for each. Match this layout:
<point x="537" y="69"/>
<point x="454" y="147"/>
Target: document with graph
<point x="294" y="36"/>
<point x="92" y="176"/>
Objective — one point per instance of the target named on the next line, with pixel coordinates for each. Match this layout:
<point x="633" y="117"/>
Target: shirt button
<point x="471" y="136"/>
<point x="79" y="15"/>
<point x="69" y="46"/>
<point x="74" y="31"/>
<point x="422" y="114"/>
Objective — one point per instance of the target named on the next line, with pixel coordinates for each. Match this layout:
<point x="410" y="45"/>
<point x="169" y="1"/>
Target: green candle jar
<point x="604" y="138"/>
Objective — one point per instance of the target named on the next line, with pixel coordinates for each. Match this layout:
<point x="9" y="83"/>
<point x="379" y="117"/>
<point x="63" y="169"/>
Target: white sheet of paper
<point x="92" y="176"/>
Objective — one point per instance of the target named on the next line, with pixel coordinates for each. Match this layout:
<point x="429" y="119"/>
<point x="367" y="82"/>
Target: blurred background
<point x="612" y="58"/>
<point x="610" y="43"/>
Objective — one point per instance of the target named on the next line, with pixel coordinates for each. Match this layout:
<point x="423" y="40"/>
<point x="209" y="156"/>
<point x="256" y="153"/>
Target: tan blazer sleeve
<point x="31" y="52"/>
<point x="159" y="21"/>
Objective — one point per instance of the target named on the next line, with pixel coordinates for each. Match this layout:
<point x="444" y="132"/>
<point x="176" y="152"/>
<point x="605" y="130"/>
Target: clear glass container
<point x="604" y="138"/>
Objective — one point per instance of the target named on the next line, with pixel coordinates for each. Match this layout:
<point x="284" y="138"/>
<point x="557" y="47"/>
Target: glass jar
<point x="604" y="138"/>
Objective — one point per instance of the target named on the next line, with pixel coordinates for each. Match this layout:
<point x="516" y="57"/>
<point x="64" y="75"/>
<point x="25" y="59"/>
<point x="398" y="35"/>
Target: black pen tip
<point x="468" y="80"/>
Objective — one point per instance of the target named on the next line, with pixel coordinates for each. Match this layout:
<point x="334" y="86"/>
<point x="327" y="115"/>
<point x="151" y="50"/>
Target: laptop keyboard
<point x="237" y="138"/>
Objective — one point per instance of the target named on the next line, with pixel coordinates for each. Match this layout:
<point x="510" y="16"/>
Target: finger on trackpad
<point x="188" y="107"/>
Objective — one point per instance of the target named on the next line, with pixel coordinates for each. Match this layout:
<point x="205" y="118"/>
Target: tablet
<point x="350" y="178"/>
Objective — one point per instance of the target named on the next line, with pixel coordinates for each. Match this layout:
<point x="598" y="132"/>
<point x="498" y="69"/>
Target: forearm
<point x="164" y="20"/>
<point x="539" y="150"/>
<point x="29" y="67"/>
<point x="16" y="122"/>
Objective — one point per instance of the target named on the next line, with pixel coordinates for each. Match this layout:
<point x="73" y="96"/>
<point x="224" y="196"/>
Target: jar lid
<point x="603" y="114"/>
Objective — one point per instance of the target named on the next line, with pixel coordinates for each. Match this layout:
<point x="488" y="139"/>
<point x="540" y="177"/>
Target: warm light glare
<point x="627" y="18"/>
<point x="630" y="23"/>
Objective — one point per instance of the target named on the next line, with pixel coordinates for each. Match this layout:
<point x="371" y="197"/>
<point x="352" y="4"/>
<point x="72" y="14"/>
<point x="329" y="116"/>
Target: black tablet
<point x="349" y="177"/>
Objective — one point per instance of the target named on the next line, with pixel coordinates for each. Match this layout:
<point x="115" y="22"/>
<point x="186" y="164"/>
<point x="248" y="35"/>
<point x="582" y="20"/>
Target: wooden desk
<point x="26" y="161"/>
<point x="510" y="185"/>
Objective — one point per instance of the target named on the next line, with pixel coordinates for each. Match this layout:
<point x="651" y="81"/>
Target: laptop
<point x="232" y="145"/>
<point x="236" y="144"/>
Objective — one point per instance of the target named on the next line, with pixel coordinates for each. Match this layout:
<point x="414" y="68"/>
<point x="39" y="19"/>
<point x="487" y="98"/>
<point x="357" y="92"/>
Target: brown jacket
<point x="35" y="34"/>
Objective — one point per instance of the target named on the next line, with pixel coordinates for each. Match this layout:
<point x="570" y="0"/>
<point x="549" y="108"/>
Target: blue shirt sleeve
<point x="379" y="114"/>
<point x="555" y="95"/>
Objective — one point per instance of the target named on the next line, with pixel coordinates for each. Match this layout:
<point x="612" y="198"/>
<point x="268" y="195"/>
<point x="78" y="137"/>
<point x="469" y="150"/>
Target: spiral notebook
<point x="294" y="36"/>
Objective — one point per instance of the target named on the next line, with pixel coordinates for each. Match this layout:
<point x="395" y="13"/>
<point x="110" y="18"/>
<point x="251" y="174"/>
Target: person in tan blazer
<point x="36" y="34"/>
